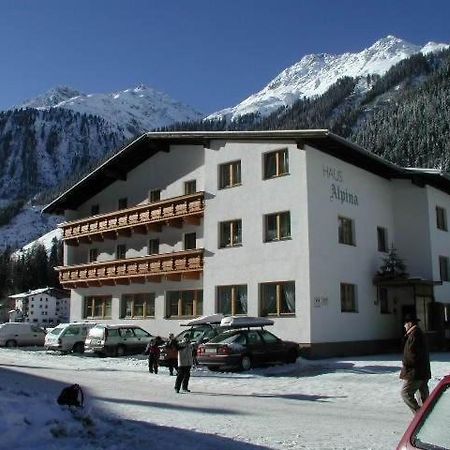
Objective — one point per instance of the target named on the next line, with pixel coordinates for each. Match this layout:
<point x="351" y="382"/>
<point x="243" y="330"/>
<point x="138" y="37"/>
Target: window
<point x="277" y="226"/>
<point x="190" y="241"/>
<point x="346" y="231"/>
<point x="190" y="187"/>
<point x="153" y="246"/>
<point x="155" y="195"/>
<point x="276" y="164"/>
<point x="93" y="254"/>
<point x="382" y="239"/>
<point x="441" y="218"/>
<point x="184" y="303"/>
<point x="121" y="251"/>
<point x="348" y="298"/>
<point x="97" y="307"/>
<point x="443" y="268"/>
<point x="230" y="174"/>
<point x="277" y="298"/>
<point x="230" y="233"/>
<point x="95" y="209"/>
<point x="137" y="306"/>
<point x="122" y="203"/>
<point x="232" y="300"/>
<point x="384" y="303"/>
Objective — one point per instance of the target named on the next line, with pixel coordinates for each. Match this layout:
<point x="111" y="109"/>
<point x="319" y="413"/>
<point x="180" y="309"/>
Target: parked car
<point x="243" y="346"/>
<point x="68" y="337"/>
<point x="430" y="428"/>
<point x="13" y="334"/>
<point x="201" y="329"/>
<point x="116" y="340"/>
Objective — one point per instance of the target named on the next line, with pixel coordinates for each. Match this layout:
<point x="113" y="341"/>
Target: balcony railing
<point x="139" y="219"/>
<point x="174" y="266"/>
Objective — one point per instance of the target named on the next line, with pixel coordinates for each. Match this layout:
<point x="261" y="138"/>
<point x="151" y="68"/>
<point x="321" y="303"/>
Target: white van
<point x="13" y="334"/>
<point x="68" y="337"/>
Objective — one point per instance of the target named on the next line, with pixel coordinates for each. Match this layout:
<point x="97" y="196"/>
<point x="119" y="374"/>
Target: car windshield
<point x="228" y="337"/>
<point x="434" y="432"/>
<point x="56" y="330"/>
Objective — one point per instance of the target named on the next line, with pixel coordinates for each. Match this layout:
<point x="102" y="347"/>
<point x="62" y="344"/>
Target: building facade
<point x="293" y="225"/>
<point x="44" y="307"/>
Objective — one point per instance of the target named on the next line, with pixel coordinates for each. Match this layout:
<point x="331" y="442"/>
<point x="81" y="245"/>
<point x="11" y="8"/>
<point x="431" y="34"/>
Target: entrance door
<point x="422" y="311"/>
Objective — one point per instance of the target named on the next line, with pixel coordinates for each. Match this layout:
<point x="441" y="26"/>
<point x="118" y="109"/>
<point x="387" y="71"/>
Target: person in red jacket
<point x="152" y="350"/>
<point x="415" y="371"/>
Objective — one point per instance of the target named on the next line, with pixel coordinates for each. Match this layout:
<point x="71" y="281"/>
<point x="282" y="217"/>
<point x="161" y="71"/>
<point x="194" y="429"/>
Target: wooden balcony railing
<point x="139" y="219"/>
<point x="174" y="266"/>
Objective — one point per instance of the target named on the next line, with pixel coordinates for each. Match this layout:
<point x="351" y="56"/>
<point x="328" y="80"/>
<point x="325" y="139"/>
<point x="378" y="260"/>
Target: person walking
<point x="184" y="365"/>
<point x="415" y="371"/>
<point x="172" y="354"/>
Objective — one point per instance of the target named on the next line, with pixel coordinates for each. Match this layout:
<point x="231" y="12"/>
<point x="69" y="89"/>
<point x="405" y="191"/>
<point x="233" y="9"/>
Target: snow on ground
<point x="345" y="403"/>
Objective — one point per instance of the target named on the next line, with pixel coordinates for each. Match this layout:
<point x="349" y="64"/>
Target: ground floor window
<point x="348" y="298"/>
<point x="97" y="307"/>
<point x="232" y="300"/>
<point x="277" y="298"/>
<point x="137" y="306"/>
<point x="184" y="303"/>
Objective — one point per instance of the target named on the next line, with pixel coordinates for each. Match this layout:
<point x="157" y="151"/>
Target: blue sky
<point x="209" y="54"/>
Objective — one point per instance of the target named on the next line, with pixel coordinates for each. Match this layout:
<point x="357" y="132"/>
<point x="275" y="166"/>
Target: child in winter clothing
<point x="152" y="350"/>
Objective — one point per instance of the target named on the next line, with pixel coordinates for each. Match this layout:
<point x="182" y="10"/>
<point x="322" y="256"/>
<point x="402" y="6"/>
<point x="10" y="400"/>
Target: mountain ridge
<point x="315" y="73"/>
<point x="133" y="110"/>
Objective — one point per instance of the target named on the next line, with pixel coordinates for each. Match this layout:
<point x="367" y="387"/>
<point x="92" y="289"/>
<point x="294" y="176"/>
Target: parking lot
<point x="322" y="404"/>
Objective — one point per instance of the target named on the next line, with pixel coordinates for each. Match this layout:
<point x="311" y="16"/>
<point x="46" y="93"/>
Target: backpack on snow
<point x="71" y="396"/>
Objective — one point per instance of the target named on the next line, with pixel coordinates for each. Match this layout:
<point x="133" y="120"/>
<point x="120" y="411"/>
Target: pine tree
<point x="393" y="266"/>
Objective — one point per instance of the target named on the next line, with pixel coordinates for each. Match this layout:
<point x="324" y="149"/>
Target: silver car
<point x="117" y="340"/>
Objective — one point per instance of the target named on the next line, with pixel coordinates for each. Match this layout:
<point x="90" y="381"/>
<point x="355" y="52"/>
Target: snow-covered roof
<point x="34" y="292"/>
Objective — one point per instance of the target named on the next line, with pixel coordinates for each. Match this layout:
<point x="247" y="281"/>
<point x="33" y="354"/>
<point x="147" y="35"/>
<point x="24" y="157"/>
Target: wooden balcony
<point x="139" y="219"/>
<point x="171" y="266"/>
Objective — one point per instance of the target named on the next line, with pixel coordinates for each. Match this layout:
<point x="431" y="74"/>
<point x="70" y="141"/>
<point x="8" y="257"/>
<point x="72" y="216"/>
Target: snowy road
<point x="327" y="404"/>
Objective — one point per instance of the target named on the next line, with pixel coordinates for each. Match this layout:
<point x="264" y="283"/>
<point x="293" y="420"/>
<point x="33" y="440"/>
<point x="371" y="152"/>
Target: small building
<point x="292" y="225"/>
<point x="44" y="307"/>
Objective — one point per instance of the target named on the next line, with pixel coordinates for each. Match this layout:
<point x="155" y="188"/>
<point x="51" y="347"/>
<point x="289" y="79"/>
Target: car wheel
<point x="291" y="357"/>
<point x="246" y="363"/>
<point x="120" y="350"/>
<point x="78" y="347"/>
<point x="11" y="343"/>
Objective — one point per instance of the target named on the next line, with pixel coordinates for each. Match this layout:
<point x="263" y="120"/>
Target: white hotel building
<point x="287" y="224"/>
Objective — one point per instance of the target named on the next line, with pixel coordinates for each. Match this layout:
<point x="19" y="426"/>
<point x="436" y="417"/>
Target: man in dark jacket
<point x="415" y="371"/>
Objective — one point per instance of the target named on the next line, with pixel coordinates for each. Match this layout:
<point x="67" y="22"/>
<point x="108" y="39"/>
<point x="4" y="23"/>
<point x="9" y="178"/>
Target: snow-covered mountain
<point x="314" y="74"/>
<point x="28" y="227"/>
<point x="133" y="110"/>
<point x="48" y="141"/>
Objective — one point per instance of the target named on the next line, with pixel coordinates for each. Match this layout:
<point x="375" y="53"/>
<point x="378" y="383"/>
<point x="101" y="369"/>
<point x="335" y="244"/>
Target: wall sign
<point x="338" y="193"/>
<point x="320" y="301"/>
